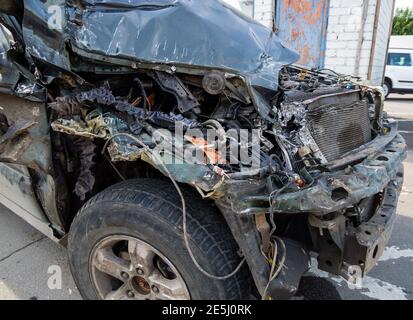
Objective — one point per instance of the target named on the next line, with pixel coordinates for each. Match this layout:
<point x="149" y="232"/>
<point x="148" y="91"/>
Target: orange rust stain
<point x="306" y="9"/>
<point x="211" y="155"/>
<point x="301" y="17"/>
<point x="151" y="100"/>
<point x="295" y="34"/>
<point x="305" y="55"/>
<point x="301" y="6"/>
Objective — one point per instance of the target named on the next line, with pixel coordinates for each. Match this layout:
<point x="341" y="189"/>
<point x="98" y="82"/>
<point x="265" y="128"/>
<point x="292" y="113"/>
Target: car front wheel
<point x="386" y="88"/>
<point x="127" y="243"/>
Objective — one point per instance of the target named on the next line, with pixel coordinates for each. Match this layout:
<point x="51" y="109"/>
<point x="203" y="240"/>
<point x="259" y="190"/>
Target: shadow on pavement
<point x="390" y="279"/>
<point x="314" y="288"/>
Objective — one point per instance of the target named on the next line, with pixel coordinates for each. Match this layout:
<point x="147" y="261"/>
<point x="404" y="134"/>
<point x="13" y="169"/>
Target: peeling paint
<point x="302" y="26"/>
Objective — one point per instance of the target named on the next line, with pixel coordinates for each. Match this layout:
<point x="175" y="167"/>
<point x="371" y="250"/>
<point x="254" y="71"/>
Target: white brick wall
<point x="261" y="10"/>
<point x="264" y="11"/>
<point x="380" y="50"/>
<point x="350" y="36"/>
<point x="344" y="32"/>
<point x="246" y="6"/>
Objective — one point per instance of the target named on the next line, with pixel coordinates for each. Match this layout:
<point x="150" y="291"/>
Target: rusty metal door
<point x="302" y="25"/>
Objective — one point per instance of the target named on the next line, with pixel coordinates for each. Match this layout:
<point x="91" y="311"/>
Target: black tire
<point x="387" y="84"/>
<point x="151" y="211"/>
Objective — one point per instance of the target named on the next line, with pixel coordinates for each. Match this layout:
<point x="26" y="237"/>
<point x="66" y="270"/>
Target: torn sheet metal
<point x="9" y="74"/>
<point x="25" y="135"/>
<point x="95" y="125"/>
<point x="43" y="34"/>
<point x="81" y="117"/>
<point x="72" y="105"/>
<point x="294" y="111"/>
<point x="13" y="150"/>
<point x="86" y="179"/>
<point x="331" y="192"/>
<point x="123" y="148"/>
<point x="16" y="129"/>
<point x="157" y="32"/>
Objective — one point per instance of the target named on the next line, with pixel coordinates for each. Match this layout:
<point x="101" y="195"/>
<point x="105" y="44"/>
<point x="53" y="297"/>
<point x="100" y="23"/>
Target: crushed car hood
<point x="206" y="34"/>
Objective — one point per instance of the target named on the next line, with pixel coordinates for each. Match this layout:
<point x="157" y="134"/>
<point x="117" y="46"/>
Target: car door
<point x="27" y="186"/>
<point x="400" y="68"/>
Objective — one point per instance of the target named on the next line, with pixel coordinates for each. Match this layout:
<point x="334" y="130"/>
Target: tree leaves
<point x="403" y="22"/>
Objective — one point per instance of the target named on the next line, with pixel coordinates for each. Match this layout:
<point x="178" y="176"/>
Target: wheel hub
<point x="123" y="267"/>
<point x="141" y="285"/>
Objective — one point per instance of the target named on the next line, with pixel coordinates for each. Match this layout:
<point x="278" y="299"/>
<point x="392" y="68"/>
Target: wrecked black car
<point x="177" y="151"/>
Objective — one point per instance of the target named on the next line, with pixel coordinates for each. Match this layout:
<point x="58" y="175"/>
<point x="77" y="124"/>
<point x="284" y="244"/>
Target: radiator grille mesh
<point x="340" y="129"/>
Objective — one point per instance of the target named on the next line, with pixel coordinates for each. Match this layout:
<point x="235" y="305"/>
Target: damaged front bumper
<point x="353" y="251"/>
<point x="336" y="191"/>
<point x="330" y="191"/>
<point x="350" y="254"/>
<point x="343" y="248"/>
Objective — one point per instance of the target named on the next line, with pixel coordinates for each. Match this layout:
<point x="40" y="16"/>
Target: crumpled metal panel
<point x="358" y="182"/>
<point x="205" y="34"/>
<point x="41" y="40"/>
<point x="26" y="134"/>
<point x="9" y="75"/>
<point x="83" y="125"/>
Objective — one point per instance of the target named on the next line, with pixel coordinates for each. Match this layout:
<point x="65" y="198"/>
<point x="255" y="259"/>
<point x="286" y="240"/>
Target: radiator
<point x="338" y="129"/>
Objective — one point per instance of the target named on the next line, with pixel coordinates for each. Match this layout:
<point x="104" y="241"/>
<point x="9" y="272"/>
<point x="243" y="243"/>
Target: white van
<point x="399" y="71"/>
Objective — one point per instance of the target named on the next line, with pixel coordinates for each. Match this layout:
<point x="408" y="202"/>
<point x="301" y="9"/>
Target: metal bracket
<point x="172" y="84"/>
<point x="264" y="229"/>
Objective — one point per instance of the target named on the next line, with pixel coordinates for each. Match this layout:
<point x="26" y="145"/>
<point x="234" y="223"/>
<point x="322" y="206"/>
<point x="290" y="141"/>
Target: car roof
<point x="401" y="50"/>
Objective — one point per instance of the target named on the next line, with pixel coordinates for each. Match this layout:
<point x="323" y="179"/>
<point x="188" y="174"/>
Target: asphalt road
<point x="31" y="265"/>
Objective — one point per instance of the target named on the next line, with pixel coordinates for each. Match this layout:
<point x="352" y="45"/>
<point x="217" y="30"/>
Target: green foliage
<point x="403" y="22"/>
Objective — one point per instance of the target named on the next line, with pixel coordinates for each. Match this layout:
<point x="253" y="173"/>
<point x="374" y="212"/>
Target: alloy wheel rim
<point x="127" y="268"/>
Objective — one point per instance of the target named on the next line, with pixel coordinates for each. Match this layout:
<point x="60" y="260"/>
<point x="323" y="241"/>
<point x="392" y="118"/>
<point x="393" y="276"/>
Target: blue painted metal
<point x="302" y="25"/>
